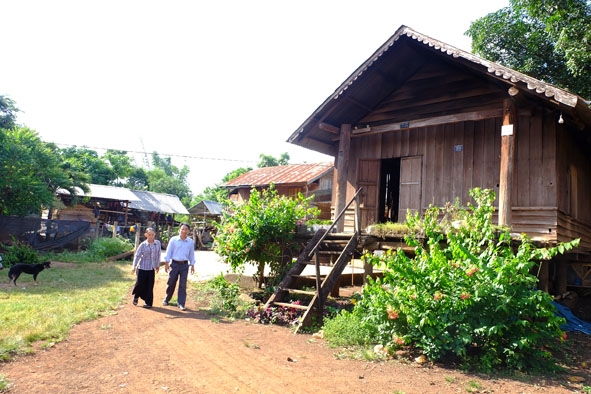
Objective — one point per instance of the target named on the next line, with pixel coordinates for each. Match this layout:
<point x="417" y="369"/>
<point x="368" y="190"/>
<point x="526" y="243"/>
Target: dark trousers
<point x="177" y="272"/>
<point x="144" y="286"/>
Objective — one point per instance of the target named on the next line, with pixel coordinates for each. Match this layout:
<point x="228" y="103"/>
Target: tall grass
<point x="67" y="294"/>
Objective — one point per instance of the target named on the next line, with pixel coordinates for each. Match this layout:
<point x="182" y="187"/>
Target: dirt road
<point x="165" y="350"/>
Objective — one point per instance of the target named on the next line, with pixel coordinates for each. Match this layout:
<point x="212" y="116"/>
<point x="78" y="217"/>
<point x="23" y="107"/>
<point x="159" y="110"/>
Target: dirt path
<point x="165" y="350"/>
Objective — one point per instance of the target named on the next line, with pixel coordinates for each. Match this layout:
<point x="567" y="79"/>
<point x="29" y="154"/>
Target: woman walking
<point x="147" y="263"/>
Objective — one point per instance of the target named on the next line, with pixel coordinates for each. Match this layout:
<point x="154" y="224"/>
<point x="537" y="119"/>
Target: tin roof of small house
<point x="158" y="202"/>
<point x="291" y="174"/>
<point x="137" y="199"/>
<point x="206" y="207"/>
<point x="110" y="193"/>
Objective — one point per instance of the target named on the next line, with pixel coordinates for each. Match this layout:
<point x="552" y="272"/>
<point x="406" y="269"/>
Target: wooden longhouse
<point x="421" y="122"/>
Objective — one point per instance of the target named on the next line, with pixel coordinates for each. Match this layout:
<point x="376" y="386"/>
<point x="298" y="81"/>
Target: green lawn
<point x="67" y="294"/>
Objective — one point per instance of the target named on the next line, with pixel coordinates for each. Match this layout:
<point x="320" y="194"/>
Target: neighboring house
<point x="110" y="204"/>
<point x="289" y="180"/>
<point x="204" y="215"/>
<point x="421" y="122"/>
<point x="103" y="210"/>
<point x="207" y="209"/>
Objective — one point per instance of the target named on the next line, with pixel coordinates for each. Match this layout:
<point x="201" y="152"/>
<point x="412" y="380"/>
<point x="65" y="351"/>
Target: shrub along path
<point x="162" y="349"/>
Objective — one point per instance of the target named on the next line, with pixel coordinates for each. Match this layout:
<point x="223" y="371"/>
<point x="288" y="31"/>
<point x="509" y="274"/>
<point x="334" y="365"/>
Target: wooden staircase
<point x="323" y="243"/>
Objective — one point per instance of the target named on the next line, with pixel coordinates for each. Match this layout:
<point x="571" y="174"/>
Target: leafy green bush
<point x="18" y="252"/>
<point x="259" y="231"/>
<point x="466" y="295"/>
<point x="228" y="292"/>
<point x="346" y="329"/>
<point x="108" y="247"/>
<point x="223" y="297"/>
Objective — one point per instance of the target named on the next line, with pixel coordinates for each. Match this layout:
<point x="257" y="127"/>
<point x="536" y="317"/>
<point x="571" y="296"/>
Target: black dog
<point x="33" y="269"/>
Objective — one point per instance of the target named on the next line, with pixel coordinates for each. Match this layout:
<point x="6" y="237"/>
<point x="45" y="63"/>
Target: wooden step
<point x="288" y="305"/>
<point x="299" y="291"/>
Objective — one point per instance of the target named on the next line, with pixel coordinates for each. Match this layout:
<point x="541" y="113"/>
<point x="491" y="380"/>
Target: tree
<point x="259" y="230"/>
<point x="219" y="193"/>
<point x="167" y="178"/>
<point x="121" y="164"/>
<point x="87" y="161"/>
<point x="270" y="161"/>
<point x="8" y="112"/>
<point x="138" y="179"/>
<point x="32" y="172"/>
<point x="547" y="40"/>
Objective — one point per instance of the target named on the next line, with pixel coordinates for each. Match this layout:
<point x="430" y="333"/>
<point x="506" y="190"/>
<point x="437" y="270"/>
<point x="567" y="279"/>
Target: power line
<point x="161" y="154"/>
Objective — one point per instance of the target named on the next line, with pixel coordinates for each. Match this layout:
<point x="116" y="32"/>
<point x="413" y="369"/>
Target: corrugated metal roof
<point x="142" y="200"/>
<point x="158" y="202"/>
<point x="111" y="193"/>
<point x="291" y="174"/>
<point x="206" y="207"/>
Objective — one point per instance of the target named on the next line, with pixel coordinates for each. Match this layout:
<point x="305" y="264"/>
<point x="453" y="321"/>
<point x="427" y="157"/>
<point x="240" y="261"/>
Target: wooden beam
<point x="328" y="127"/>
<point x="507" y="159"/>
<point x="342" y="172"/>
<point x="436" y="120"/>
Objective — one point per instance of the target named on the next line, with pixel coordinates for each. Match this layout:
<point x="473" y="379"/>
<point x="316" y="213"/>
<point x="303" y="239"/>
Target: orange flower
<point x="392" y="314"/>
<point x="472" y="270"/>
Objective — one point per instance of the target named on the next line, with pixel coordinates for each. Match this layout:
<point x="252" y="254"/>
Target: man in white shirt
<point x="180" y="258"/>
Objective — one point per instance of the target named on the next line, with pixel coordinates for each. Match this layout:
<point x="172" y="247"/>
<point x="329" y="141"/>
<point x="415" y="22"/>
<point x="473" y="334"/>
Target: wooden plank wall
<point x="569" y="229"/>
<point x="464" y="155"/>
<point x="573" y="163"/>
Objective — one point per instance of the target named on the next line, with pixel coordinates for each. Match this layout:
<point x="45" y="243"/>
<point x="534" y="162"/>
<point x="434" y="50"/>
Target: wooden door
<point x="368" y="177"/>
<point x="410" y="186"/>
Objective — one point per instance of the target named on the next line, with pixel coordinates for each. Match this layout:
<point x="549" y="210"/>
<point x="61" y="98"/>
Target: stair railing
<point x="357" y="221"/>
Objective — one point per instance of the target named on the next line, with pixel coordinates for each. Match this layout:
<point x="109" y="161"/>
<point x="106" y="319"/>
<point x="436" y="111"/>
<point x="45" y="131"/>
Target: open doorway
<point x="389" y="190"/>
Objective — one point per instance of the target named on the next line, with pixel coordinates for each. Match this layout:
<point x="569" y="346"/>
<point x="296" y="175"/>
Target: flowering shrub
<point x="280" y="315"/>
<point x="467" y="294"/>
<point x="259" y="230"/>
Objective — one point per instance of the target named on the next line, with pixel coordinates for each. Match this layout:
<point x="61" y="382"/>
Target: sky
<point x="211" y="84"/>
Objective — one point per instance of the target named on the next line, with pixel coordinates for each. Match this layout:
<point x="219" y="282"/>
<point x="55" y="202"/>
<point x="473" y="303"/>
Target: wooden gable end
<point x="438" y="89"/>
<point x="448" y="117"/>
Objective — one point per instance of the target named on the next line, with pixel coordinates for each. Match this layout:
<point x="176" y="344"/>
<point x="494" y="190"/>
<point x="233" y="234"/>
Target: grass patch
<point x="4" y="383"/>
<point x="221" y="298"/>
<point x="67" y="295"/>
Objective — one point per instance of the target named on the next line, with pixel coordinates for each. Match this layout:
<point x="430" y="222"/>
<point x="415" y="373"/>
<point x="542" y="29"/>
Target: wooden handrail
<point x="354" y="198"/>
